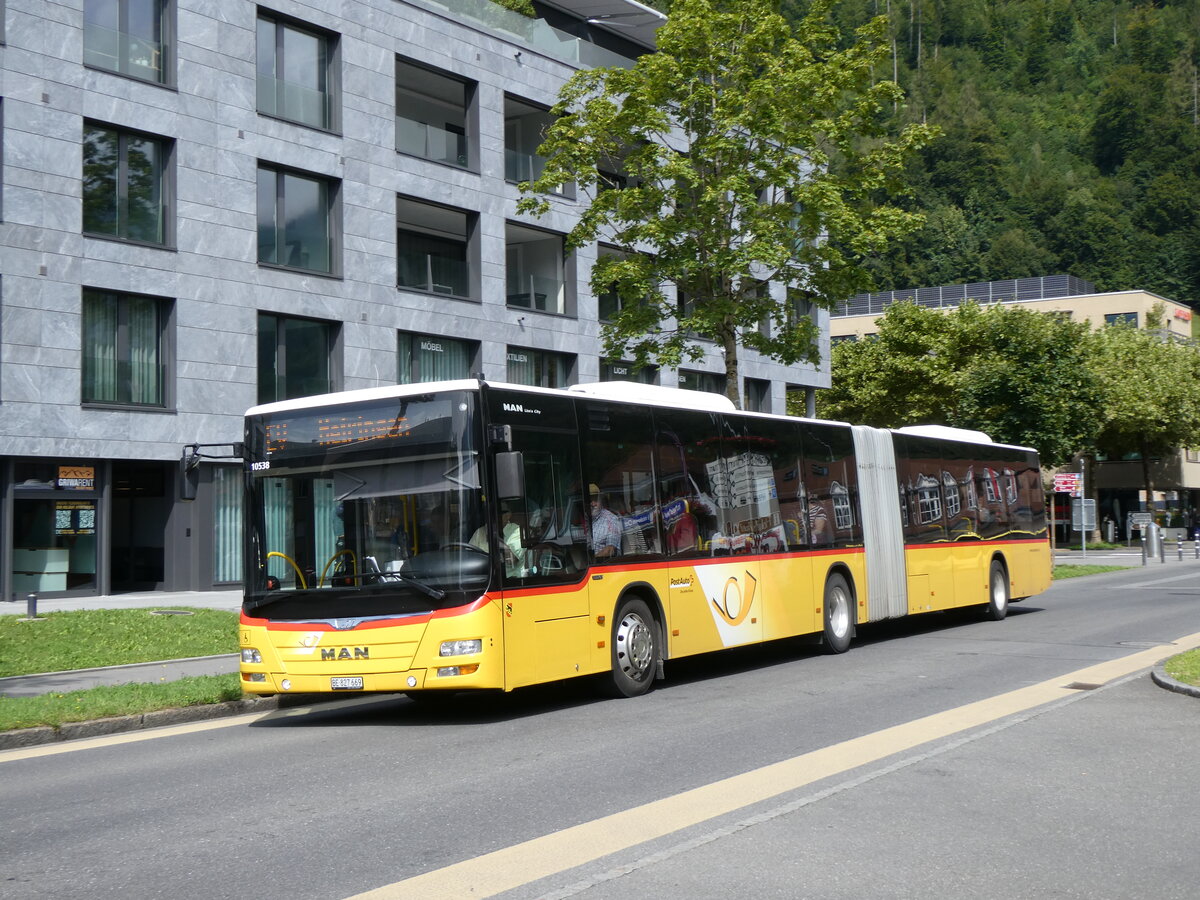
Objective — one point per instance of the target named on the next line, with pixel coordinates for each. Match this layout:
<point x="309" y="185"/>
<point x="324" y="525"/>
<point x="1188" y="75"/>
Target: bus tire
<point x="997" y="605"/>
<point x="839" y="615"/>
<point x="635" y="649"/>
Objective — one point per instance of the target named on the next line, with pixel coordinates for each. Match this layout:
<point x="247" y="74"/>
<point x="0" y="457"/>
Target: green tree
<point x="726" y="136"/>
<point x="1021" y="377"/>
<point x="1150" y="394"/>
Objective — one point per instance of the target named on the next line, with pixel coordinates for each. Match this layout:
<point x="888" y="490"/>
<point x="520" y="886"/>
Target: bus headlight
<point x="457" y="648"/>
<point x="250" y="655"/>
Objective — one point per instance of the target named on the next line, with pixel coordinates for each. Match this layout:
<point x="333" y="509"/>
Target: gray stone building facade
<point x="211" y="203"/>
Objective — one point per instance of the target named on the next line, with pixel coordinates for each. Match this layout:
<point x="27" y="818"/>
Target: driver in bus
<point x="511" y="532"/>
<point x="606" y="528"/>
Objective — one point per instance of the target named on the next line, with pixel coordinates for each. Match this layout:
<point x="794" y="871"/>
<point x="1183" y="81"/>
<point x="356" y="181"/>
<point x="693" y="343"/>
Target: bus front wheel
<point x="634" y="649"/>
<point x="839" y="615"/>
<point x="997" y="605"/>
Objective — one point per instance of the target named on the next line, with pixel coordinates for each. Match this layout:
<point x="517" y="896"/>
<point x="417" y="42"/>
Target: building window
<point x="1129" y="318"/>
<point x="433" y="114"/>
<point x="525" y="127"/>
<point x="929" y="500"/>
<point x="709" y="382"/>
<point x="626" y="371"/>
<point x="124" y="349"/>
<point x="609" y="303"/>
<point x="434" y="248"/>
<point x="227" y="524"/>
<point x="296" y="220"/>
<point x="296" y="73"/>
<point x="538" y="368"/>
<point x="535" y="269"/>
<point x="953" y="494"/>
<point x="124" y="184"/>
<point x="758" y="395"/>
<point x="129" y="37"/>
<point x="294" y="358"/>
<point x="424" y="358"/>
<point x="843" y="511"/>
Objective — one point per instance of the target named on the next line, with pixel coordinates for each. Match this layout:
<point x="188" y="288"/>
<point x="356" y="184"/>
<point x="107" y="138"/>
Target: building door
<point x="140" y="508"/>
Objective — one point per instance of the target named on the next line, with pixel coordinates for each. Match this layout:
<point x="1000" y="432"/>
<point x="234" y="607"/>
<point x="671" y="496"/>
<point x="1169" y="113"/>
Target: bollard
<point x="31" y="606"/>
<point x="1162" y="548"/>
<point x="1144" y="553"/>
<point x="1180" y="549"/>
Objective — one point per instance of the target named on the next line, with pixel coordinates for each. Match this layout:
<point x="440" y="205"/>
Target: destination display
<point x="426" y="420"/>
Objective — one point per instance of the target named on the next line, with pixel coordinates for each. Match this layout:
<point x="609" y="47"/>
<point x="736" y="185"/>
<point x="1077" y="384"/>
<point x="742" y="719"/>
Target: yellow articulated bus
<point x="465" y="535"/>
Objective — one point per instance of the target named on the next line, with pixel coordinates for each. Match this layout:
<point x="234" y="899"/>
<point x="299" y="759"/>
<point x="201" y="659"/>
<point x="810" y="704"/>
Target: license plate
<point x="346" y="684"/>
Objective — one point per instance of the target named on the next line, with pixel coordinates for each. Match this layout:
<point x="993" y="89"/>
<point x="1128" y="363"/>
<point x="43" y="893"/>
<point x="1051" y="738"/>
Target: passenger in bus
<point x="683" y="533"/>
<point x="606" y="528"/>
<point x="511" y="532"/>
<point x="818" y="523"/>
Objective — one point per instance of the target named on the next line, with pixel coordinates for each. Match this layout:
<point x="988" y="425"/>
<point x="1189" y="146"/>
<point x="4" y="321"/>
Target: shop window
<point x="425" y="358"/>
<point x="627" y="371"/>
<point x="709" y="382"/>
<point x="538" y="368"/>
<point x="296" y="73"/>
<point x="125" y="349"/>
<point x="296" y="221"/>
<point x="130" y="37"/>
<point x="125" y="184"/>
<point x="295" y="358"/>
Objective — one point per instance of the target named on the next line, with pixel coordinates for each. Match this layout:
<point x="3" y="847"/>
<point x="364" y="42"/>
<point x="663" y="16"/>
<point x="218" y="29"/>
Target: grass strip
<point x="1185" y="667"/>
<point x="116" y="700"/>
<point x="88" y="638"/>
<point x="1071" y="571"/>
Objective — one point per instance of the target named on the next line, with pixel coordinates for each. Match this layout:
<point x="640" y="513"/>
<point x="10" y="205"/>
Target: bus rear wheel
<point x="635" y="649"/>
<point x="839" y="615"/>
<point x="997" y="605"/>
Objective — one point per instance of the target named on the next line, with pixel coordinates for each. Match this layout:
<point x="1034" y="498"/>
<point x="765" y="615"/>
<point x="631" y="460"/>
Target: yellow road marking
<point x="520" y="864"/>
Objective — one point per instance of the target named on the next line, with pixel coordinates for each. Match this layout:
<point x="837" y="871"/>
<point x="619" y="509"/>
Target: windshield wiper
<point x="426" y="589"/>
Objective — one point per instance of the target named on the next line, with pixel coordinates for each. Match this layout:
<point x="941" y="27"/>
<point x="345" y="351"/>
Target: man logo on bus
<point x="344" y="653"/>
<point x="733" y="607"/>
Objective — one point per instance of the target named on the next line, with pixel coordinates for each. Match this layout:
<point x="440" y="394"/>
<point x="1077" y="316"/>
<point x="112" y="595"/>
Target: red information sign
<point x="1066" y="483"/>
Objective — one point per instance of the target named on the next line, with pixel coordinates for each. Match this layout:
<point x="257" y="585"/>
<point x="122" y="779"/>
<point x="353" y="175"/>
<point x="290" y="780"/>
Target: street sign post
<point x="1083" y="516"/>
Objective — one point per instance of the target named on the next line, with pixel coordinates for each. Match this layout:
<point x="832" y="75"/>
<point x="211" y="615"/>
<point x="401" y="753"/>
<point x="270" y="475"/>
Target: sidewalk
<point x="163" y="670"/>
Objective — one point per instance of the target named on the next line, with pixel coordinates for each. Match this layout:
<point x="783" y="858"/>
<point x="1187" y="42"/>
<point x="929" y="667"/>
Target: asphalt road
<point x="943" y="756"/>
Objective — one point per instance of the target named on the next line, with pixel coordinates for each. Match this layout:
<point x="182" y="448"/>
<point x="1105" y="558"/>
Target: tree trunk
<point x="733" y="380"/>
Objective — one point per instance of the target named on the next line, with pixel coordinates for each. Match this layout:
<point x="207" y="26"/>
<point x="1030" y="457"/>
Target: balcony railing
<point x="296" y="102"/>
<point x="430" y="142"/>
<point x="536" y="292"/>
<point x="435" y="274"/>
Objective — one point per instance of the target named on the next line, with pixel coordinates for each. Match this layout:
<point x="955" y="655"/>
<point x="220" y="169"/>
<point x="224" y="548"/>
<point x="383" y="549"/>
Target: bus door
<point x="544" y="588"/>
<point x="706" y="484"/>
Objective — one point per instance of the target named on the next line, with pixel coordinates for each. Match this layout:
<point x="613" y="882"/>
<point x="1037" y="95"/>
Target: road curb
<point x="70" y="731"/>
<point x="1162" y="679"/>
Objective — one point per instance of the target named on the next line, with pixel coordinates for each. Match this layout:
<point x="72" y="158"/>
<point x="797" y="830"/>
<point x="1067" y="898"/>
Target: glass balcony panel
<point x="101" y="47"/>
<point x="430" y="142"/>
<point x="540" y="293"/>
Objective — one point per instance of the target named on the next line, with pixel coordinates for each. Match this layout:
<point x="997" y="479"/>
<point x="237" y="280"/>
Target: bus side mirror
<point x="510" y="475"/>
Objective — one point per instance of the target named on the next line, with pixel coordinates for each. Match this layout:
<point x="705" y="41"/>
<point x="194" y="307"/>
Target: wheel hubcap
<point x="635" y="646"/>
<point x="999" y="593"/>
<point x="839" y="612"/>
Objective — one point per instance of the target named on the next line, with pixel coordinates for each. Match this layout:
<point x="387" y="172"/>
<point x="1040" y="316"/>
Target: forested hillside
<point x="1071" y="140"/>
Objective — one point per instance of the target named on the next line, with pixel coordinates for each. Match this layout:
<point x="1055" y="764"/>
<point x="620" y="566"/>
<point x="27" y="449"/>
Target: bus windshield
<point x="365" y="509"/>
